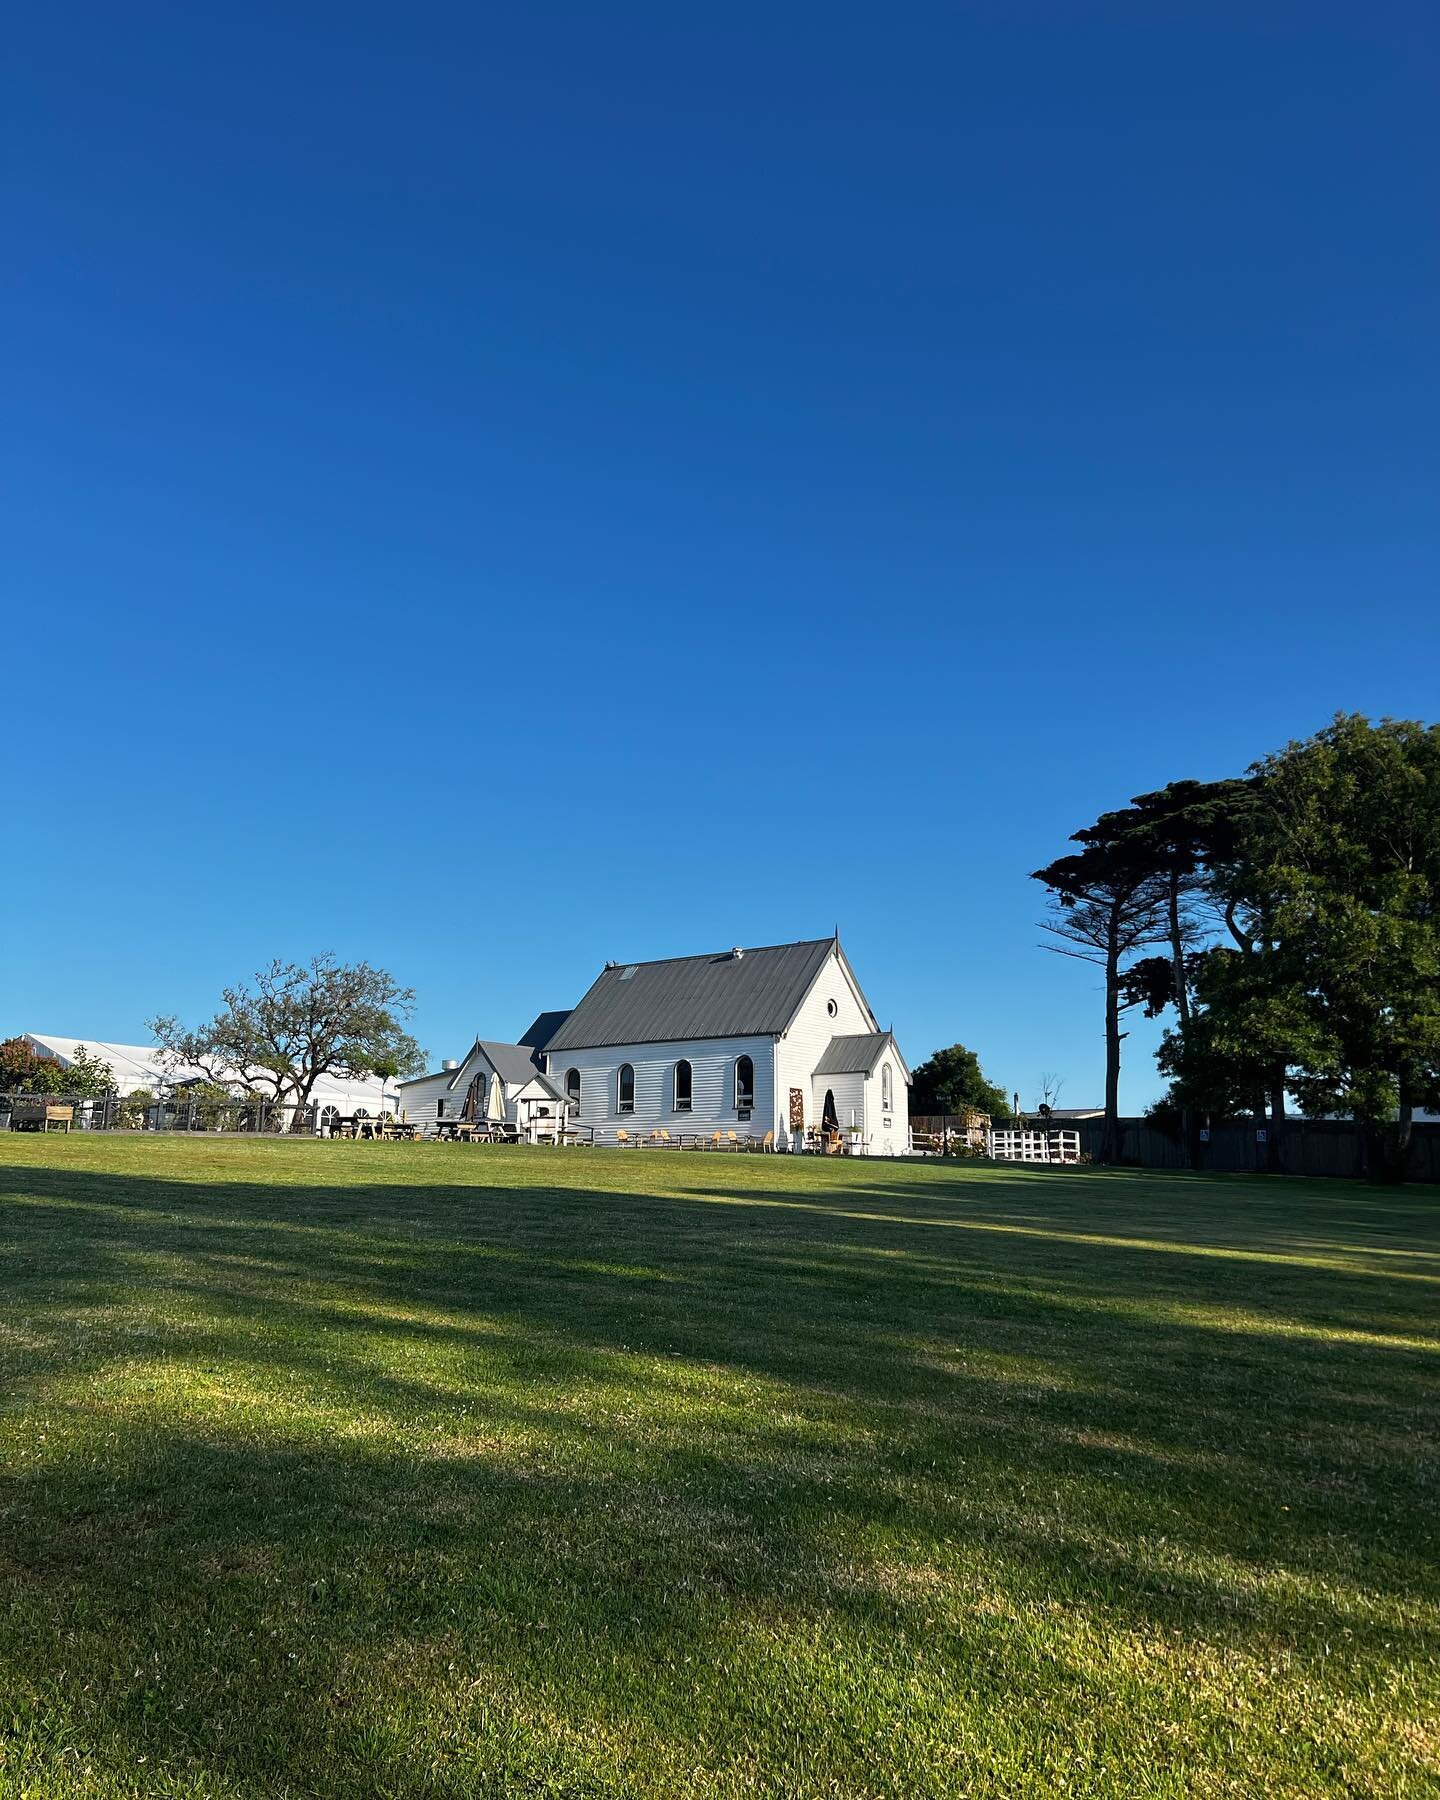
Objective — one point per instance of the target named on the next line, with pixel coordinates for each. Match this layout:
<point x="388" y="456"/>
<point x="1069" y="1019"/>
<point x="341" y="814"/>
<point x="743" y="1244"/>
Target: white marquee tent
<point x="144" y="1066"/>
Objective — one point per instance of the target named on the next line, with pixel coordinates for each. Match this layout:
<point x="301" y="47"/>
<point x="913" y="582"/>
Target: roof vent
<point x="450" y="1064"/>
<point x="737" y="953"/>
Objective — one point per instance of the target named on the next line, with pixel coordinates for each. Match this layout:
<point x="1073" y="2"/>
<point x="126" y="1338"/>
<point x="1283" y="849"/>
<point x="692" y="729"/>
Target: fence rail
<point x="176" y="1112"/>
<point x="1320" y="1147"/>
<point x="1035" y="1146"/>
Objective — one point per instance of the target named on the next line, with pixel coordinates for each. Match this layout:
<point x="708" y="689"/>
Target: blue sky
<point x="495" y="489"/>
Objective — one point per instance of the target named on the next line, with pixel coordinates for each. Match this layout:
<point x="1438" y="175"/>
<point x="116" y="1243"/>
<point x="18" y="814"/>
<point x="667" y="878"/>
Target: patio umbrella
<point x="496" y="1107"/>
<point x="471" y="1108"/>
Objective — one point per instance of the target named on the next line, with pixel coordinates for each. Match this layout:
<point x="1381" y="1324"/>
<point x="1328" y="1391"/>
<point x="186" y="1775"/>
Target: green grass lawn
<point x="389" y="1470"/>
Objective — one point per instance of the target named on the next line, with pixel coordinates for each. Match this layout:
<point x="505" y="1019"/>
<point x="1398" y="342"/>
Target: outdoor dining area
<point x="528" y="1119"/>
<point x="814" y="1140"/>
<point x="386" y="1126"/>
<point x="661" y="1139"/>
<point x="547" y="1128"/>
<point x="830" y="1140"/>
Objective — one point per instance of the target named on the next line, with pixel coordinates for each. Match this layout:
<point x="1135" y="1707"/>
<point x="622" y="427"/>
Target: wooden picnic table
<point x="455" y="1131"/>
<point x="477" y="1131"/>
<point x="354" y="1127"/>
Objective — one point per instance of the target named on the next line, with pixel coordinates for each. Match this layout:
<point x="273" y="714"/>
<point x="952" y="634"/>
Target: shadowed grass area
<point x="389" y="1470"/>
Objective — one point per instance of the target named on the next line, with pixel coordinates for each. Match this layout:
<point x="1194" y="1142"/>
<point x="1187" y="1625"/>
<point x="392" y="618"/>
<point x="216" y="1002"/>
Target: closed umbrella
<point x="496" y="1108"/>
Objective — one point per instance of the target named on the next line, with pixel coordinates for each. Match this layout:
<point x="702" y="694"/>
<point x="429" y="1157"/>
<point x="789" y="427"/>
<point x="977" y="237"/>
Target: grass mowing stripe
<point x="380" y="1469"/>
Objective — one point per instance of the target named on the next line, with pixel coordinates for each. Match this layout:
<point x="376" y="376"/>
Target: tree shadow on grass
<point x="333" y="1482"/>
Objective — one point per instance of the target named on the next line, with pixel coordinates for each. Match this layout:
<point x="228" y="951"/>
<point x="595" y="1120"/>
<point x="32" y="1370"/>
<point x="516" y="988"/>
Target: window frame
<point x="677" y="1105"/>
<point x="887" y="1088"/>
<point x="622" y="1105"/>
<point x="572" y="1099"/>
<point x="745" y="1102"/>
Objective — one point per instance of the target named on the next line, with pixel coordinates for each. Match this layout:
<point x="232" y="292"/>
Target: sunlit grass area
<point x="373" y="1469"/>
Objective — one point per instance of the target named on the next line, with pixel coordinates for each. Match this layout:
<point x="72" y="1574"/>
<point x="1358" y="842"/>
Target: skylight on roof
<point x="628" y="971"/>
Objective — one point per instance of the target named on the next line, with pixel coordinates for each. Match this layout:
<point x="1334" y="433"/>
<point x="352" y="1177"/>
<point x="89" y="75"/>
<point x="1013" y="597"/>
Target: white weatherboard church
<point x="779" y="1039"/>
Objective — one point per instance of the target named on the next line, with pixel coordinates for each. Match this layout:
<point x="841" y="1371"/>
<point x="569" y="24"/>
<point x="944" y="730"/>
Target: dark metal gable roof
<point x="544" y="1028"/>
<point x="856" y="1055"/>
<point x="511" y="1062"/>
<point x="753" y="995"/>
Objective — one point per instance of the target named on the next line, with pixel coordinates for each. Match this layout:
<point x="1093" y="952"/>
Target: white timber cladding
<point x="419" y="1098"/>
<point x="888" y="1128"/>
<point x="422" y="1100"/>
<point x="860" y="1105"/>
<point x="849" y="1093"/>
<point x="712" y="1086"/>
<point x="809" y="1035"/>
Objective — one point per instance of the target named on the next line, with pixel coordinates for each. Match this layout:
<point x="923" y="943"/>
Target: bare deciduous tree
<point x="1050" y="1087"/>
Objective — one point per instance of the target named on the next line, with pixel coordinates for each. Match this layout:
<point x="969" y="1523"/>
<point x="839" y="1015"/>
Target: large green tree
<point x="1247" y="1027"/>
<point x="1329" y="984"/>
<point x="296" y="1023"/>
<point x="952" y="1081"/>
<point x="1342" y="864"/>
<point x="1107" y="903"/>
<point x="1180" y="835"/>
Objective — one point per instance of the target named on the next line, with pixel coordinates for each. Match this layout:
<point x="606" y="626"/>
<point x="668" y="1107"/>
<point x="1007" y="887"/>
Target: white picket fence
<point x="1035" y="1146"/>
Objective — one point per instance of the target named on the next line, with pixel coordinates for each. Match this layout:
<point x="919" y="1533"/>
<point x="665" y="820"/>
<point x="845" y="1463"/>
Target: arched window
<point x="572" y="1086"/>
<point x="885" y="1099"/>
<point x="684" y="1082"/>
<point x="329" y="1117"/>
<point x="744" y="1084"/>
<point x="625" y="1089"/>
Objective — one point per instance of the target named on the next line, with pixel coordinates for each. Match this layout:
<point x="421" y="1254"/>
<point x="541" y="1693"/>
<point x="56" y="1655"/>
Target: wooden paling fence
<point x="1306" y="1147"/>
